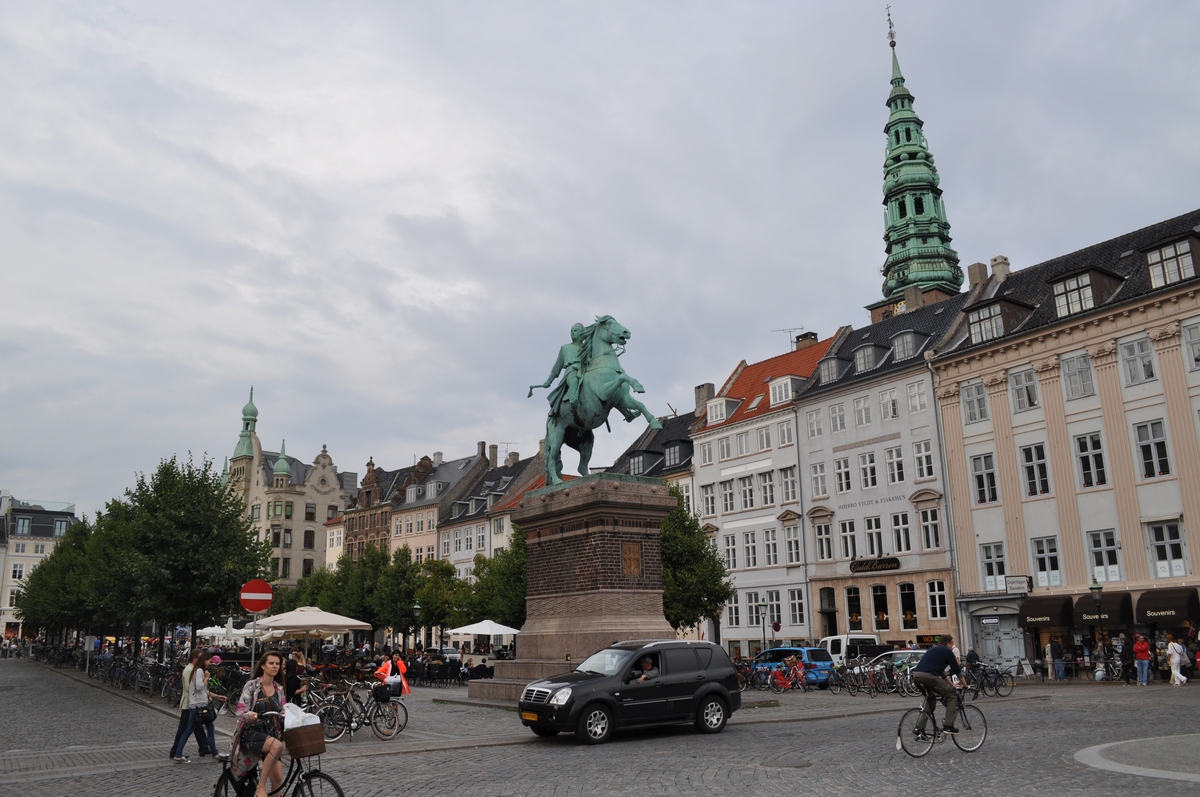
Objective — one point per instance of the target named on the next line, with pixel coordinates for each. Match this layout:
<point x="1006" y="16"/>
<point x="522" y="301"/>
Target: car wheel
<point x="543" y="732"/>
<point x="711" y="716"/>
<point x="595" y="724"/>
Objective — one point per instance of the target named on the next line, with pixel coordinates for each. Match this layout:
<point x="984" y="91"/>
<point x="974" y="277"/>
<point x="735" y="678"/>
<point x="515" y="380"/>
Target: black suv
<point x="689" y="682"/>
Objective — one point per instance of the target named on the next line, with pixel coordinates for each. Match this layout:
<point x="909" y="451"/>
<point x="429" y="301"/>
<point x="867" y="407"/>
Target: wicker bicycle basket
<point x="305" y="741"/>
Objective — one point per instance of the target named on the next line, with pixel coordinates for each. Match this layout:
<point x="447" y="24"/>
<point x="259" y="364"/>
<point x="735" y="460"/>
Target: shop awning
<point x="1116" y="610"/>
<point x="1046" y="611"/>
<point x="1168" y="607"/>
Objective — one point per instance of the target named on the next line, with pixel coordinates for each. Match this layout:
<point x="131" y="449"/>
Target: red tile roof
<point x="511" y="502"/>
<point x="750" y="381"/>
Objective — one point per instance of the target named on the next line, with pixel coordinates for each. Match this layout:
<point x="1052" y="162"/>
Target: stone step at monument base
<point x="512" y="676"/>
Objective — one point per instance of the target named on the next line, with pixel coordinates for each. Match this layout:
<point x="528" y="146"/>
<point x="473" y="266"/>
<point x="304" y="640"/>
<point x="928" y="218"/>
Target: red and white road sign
<point x="256" y="596"/>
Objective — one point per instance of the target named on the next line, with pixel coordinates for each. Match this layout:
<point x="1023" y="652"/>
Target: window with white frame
<point x="931" y="531"/>
<point x="1089" y="453"/>
<point x="824" y="536"/>
<point x="1137" y="360"/>
<point x="770" y="547"/>
<point x="974" y="401"/>
<point x="1077" y="377"/>
<point x="724" y="451"/>
<point x="754" y="611"/>
<point x="1037" y="472"/>
<point x="746" y="488"/>
<point x="817" y="475"/>
<point x="774" y="609"/>
<point x="841" y="475"/>
<point x="853" y="609"/>
<point x="1152" y="448"/>
<point x="991" y="556"/>
<point x="708" y="499"/>
<point x="685" y="489"/>
<point x="468" y="541"/>
<point x="862" y="411"/>
<point x="786" y="438"/>
<point x="457" y="540"/>
<point x="671" y="457"/>
<point x="1105" y="554"/>
<point x="923" y="454"/>
<point x="828" y="371"/>
<point x="903" y="346"/>
<point x="733" y="614"/>
<point x="901" y="535"/>
<point x="908" y="607"/>
<point x="1170" y="264"/>
<point x="781" y="392"/>
<point x="936" y="590"/>
<point x="19" y="547"/>
<point x="866" y="469"/>
<point x="750" y="548"/>
<point x="1167" y="558"/>
<point x="837" y="418"/>
<point x="1191" y="346"/>
<point x="764" y="437"/>
<point x="706" y="454"/>
<point x="1073" y="295"/>
<point x="787" y="478"/>
<point x="873" y="527"/>
<point x="481" y="538"/>
<point x="848" y="540"/>
<point x="986" y="323"/>
<point x="727" y="504"/>
<point x="445" y="544"/>
<point x="796" y="606"/>
<point x="792" y="544"/>
<point x="916" y="397"/>
<point x="766" y="487"/>
<point x="18" y="571"/>
<point x="730" y="551"/>
<point x="636" y="465"/>
<point x="1024" y="389"/>
<point x="716" y="411"/>
<point x="888" y="408"/>
<point x="813" y="417"/>
<point x="864" y="359"/>
<point x="983" y="468"/>
<point x="1045" y="562"/>
<point x="743" y="443"/>
<point x="879" y="607"/>
<point x="894" y="459"/>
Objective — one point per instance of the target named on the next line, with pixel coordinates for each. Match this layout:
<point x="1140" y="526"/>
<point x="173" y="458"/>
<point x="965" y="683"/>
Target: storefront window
<point x="908" y="607"/>
<point x="854" y="609"/>
<point x="879" y="603"/>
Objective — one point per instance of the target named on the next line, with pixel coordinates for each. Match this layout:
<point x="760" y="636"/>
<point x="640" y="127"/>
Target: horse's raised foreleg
<point x="629" y="402"/>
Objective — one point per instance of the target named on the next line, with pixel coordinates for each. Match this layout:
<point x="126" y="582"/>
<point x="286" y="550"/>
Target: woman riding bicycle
<point x="258" y="736"/>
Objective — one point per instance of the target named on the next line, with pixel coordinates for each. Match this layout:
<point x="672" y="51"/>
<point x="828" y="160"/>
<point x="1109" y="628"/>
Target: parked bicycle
<point x="990" y="681"/>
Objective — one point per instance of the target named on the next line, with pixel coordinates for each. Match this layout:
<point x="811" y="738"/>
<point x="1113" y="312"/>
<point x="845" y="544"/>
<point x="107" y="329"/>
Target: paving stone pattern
<point x="814" y="743"/>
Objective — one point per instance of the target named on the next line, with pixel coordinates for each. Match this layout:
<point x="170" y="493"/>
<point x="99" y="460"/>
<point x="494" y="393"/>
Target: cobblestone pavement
<point x="61" y="736"/>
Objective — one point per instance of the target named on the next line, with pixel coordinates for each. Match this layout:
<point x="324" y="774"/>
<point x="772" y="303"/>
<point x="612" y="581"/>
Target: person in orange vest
<point x="392" y="672"/>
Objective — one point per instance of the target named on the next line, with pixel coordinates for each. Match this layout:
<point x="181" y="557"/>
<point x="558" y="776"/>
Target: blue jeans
<point x="206" y="737"/>
<point x="1143" y="667"/>
<point x="1060" y="672"/>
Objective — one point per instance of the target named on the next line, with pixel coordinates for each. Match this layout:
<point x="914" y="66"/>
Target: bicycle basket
<point x="381" y="692"/>
<point x="305" y="741"/>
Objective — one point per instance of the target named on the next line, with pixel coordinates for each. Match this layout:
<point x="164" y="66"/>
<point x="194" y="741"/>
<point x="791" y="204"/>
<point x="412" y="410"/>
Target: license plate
<point x="529" y="715"/>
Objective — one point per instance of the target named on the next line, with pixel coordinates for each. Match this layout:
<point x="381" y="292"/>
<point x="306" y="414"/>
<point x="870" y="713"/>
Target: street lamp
<point x="1097" y="592"/>
<point x="762" y="615"/>
<point x="416" y="613"/>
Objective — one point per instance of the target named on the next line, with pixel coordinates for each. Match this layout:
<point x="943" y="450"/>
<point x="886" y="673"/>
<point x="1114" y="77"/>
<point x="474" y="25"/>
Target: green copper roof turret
<point x="249" y="418"/>
<point x="282" y="468"/>
<point x="916" y="231"/>
<point x="225" y="473"/>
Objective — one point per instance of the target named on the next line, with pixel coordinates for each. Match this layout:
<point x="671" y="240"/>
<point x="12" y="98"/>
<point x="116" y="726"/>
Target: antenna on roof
<point x="674" y="412"/>
<point x="791" y="333"/>
<point x="505" y="444"/>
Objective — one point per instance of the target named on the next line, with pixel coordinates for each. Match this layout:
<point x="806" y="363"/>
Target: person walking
<point x="198" y="700"/>
<point x="1141" y="657"/>
<point x="1127" y="660"/>
<point x="1056" y="655"/>
<point x="187" y="720"/>
<point x="1176" y="654"/>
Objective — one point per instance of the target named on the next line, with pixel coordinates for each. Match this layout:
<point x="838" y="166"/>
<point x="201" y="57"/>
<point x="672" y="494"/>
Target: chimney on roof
<point x="704" y="394"/>
<point x="437" y="459"/>
<point x="512" y="459"/>
<point x="542" y="447"/>
<point x="482" y="447"/>
<point x="804" y="340"/>
<point x="914" y="298"/>
<point x="492" y="451"/>
<point x="976" y="273"/>
<point x="1000" y="268"/>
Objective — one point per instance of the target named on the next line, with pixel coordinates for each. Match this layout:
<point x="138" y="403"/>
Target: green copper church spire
<point x="281" y="465"/>
<point x="249" y="418"/>
<point x="916" y="231"/>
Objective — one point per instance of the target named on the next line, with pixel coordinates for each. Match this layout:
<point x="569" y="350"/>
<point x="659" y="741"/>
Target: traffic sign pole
<point x="256" y="596"/>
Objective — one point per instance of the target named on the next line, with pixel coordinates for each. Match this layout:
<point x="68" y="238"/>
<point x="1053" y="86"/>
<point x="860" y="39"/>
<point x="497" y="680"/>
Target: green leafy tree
<point x="499" y="589"/>
<point x="439" y="595"/>
<point x="396" y="592"/>
<point x="695" y="582"/>
<point x="54" y="594"/>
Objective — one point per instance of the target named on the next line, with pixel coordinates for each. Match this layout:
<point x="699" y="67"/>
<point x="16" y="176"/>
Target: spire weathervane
<point x="891" y="29"/>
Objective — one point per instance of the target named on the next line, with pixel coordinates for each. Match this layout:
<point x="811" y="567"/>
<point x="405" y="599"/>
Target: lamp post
<point x="762" y="616"/>
<point x="1097" y="592"/>
<point x="416" y="613"/>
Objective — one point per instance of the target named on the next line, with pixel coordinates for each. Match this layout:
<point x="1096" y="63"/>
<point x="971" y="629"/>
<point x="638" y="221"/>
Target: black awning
<point x="1116" y="610"/>
<point x="1046" y="611"/>
<point x="1168" y="607"/>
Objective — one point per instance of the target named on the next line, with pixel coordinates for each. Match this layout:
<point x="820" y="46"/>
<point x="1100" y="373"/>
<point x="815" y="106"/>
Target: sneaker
<point x="949" y="729"/>
<point x="183" y="760"/>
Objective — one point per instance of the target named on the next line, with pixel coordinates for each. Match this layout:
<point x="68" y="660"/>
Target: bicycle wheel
<point x="972" y="729"/>
<point x="1004" y="684"/>
<point x="317" y="784"/>
<point x="909" y="739"/>
<point x="743" y="681"/>
<point x="225" y="786"/>
<point x="778" y="682"/>
<point x="760" y="680"/>
<point x="385" y="721"/>
<point x="851" y="685"/>
<point x="335" y="720"/>
<point x="835" y="683"/>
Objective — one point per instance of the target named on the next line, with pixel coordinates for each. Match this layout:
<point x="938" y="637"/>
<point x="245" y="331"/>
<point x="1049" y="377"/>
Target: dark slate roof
<point x="497" y="484"/>
<point x="300" y="470"/>
<point x="450" y="473"/>
<point x="653" y="444"/>
<point x="931" y="321"/>
<point x="1123" y="256"/>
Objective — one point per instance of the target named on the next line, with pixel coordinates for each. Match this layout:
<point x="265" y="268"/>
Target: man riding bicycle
<point x="930" y="673"/>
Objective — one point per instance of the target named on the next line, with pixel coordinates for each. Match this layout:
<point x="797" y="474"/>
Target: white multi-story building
<point x="29" y="530"/>
<point x="747" y="494"/>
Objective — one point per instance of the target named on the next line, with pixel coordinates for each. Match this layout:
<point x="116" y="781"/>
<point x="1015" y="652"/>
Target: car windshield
<point x="605" y="662"/>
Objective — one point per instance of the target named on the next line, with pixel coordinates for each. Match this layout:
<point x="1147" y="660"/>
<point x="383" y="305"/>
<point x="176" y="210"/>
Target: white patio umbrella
<point x="212" y="630"/>
<point x="309" y="622"/>
<point x="488" y="627"/>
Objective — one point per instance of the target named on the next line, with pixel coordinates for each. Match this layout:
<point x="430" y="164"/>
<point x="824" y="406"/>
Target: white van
<point x="837" y="645"/>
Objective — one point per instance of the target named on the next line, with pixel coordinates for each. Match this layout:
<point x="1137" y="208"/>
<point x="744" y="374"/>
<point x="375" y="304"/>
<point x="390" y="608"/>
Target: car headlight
<point x="561" y="697"/>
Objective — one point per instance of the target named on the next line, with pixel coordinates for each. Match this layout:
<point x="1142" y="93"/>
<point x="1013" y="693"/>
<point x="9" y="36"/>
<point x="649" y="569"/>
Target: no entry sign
<point x="256" y="596"/>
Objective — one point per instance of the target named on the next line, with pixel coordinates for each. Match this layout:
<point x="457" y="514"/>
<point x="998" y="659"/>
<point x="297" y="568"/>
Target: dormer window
<point x="1073" y="295"/>
<point x="413" y="493"/>
<point x="986" y="323"/>
<point x="671" y="458"/>
<point x="829" y="371"/>
<point x="716" y="411"/>
<point x="781" y="391"/>
<point x="904" y="346"/>
<point x="637" y="465"/>
<point x="864" y="359"/>
<point x="1171" y="263"/>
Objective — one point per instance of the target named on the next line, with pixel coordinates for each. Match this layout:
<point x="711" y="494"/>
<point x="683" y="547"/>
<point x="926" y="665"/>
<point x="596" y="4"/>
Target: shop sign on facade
<point x="875" y="565"/>
<point x="1017" y="585"/>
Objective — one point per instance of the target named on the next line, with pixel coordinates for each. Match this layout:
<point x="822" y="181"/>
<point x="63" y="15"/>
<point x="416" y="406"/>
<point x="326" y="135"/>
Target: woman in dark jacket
<point x="1127" y="661"/>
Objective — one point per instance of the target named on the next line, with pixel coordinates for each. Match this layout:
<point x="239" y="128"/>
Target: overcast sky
<point x="386" y="217"/>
